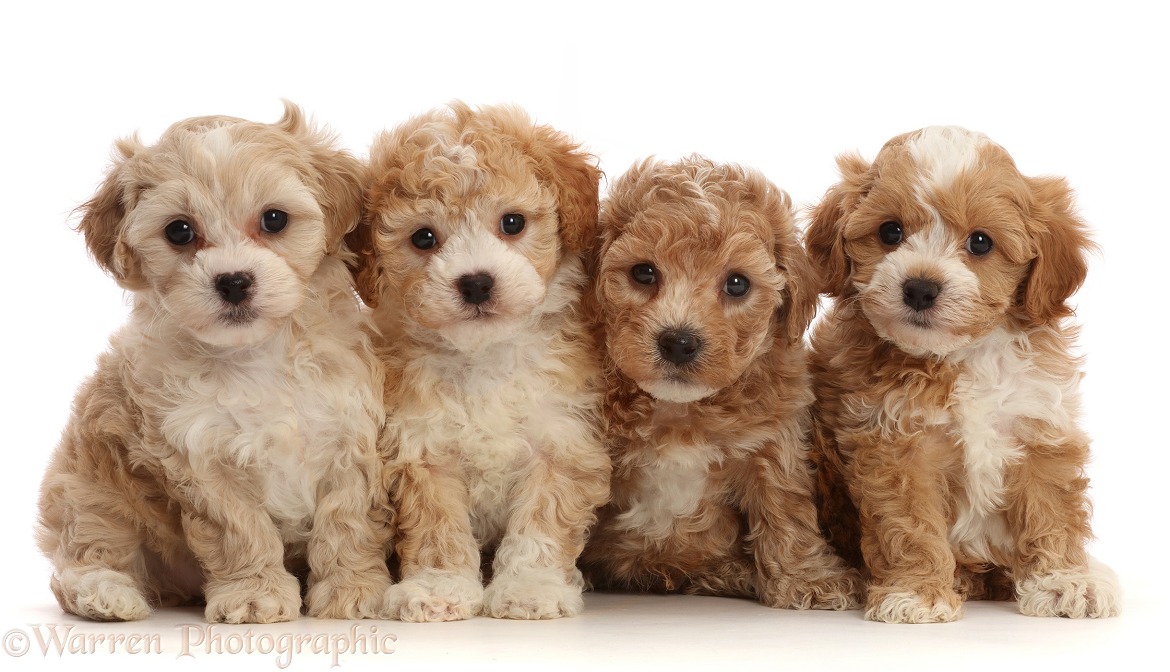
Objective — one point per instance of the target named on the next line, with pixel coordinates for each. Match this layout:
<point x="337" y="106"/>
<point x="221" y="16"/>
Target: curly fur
<point x="493" y="439"/>
<point x="214" y="450"/>
<point x="950" y="458"/>
<point x="712" y="492"/>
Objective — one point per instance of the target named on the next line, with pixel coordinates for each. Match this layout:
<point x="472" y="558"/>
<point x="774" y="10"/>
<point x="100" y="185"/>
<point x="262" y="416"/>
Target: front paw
<point x="891" y="605"/>
<point x="100" y="594"/>
<point x="269" y="597"/>
<point x="836" y="589"/>
<point x="348" y="598"/>
<point x="534" y="594"/>
<point x="1090" y="592"/>
<point x="432" y="595"/>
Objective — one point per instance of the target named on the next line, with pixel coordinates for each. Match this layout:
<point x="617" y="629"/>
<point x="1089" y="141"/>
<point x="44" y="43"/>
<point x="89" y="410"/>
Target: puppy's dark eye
<point x="180" y="232"/>
<point x="424" y="239"/>
<point x="512" y="223"/>
<point x="979" y="243"/>
<point x="736" y="285"/>
<point x="644" y="274"/>
<point x="890" y="233"/>
<point x="273" y="221"/>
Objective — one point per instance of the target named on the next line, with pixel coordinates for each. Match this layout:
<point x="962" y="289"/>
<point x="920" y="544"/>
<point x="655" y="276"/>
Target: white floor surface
<point x="616" y="632"/>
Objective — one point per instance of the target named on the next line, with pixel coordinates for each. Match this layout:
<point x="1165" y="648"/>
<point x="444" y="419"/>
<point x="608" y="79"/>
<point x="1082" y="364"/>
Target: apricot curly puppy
<point x="473" y="240"/>
<point x="705" y="294"/>
<point x="946" y="390"/>
<point x="231" y="427"/>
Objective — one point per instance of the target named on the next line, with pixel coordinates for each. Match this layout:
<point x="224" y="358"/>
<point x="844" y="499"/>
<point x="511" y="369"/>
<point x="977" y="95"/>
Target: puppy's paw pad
<point x="1093" y="592"/>
<point x="104" y="595"/>
<point x="329" y="598"/>
<point x="910" y="607"/>
<point x="271" y="597"/>
<point x="532" y="596"/>
<point x="432" y="597"/>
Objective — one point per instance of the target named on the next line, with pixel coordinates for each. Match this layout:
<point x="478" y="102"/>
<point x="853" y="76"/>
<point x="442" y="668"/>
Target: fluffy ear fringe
<point x="803" y="280"/>
<point x="824" y="238"/>
<point x="339" y="179"/>
<point x="1061" y="244"/>
<point x="576" y="179"/>
<point x="103" y="220"/>
<point x="364" y="263"/>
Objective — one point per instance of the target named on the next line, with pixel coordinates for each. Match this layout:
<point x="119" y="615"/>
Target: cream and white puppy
<point x="473" y="241"/>
<point x="230" y="430"/>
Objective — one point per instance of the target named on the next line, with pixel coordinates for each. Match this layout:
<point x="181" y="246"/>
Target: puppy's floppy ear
<point x="382" y="179"/>
<point x="364" y="265"/>
<point x="1061" y="242"/>
<point x="339" y="178"/>
<point x="802" y="279"/>
<point x="572" y="172"/>
<point x="824" y="238"/>
<point x="625" y="198"/>
<point x="103" y="220"/>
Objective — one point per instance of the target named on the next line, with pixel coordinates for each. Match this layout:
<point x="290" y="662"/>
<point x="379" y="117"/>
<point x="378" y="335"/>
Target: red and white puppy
<point x="946" y="390"/>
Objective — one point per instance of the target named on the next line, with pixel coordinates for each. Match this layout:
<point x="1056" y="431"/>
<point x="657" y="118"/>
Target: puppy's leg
<point x="241" y="551"/>
<point x="99" y="571"/>
<point x="1048" y="511"/>
<point x="796" y="567"/>
<point x="437" y="552"/>
<point x="835" y="510"/>
<point x="348" y="577"/>
<point x="95" y="515"/>
<point x="534" y="572"/>
<point x="901" y="494"/>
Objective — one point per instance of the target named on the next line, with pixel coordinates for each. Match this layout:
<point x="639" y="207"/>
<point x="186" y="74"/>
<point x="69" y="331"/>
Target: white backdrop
<point x="1068" y="88"/>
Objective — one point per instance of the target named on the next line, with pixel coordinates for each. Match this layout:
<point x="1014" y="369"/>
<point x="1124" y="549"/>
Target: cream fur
<point x="931" y="253"/>
<point x="1093" y="592"/>
<point x="218" y="444"/>
<point x="1000" y="382"/>
<point x="493" y="442"/>
<point x="671" y="487"/>
<point x="908" y="607"/>
<point x="496" y="416"/>
<point x="942" y="153"/>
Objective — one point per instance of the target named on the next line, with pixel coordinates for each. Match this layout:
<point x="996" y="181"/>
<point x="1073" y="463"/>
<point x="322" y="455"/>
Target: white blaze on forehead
<point x="218" y="142"/>
<point x="942" y="153"/>
<point x="930" y="245"/>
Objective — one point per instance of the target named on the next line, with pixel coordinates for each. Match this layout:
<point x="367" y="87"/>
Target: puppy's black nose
<point x="679" y="346"/>
<point x="919" y="294"/>
<point x="476" y="288"/>
<point x="233" y="287"/>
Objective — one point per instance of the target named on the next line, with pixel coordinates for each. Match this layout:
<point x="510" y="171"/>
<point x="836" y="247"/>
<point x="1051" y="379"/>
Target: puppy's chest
<point x="278" y="416"/>
<point x="667" y="482"/>
<point x="491" y="417"/>
<point x="998" y="385"/>
<point x="664" y="492"/>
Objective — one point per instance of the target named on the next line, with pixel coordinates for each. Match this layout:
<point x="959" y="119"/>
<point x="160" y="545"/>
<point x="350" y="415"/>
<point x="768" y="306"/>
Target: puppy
<point x="946" y="390"/>
<point x="476" y="224"/>
<point x="705" y="294"/>
<point x="231" y="428"/>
